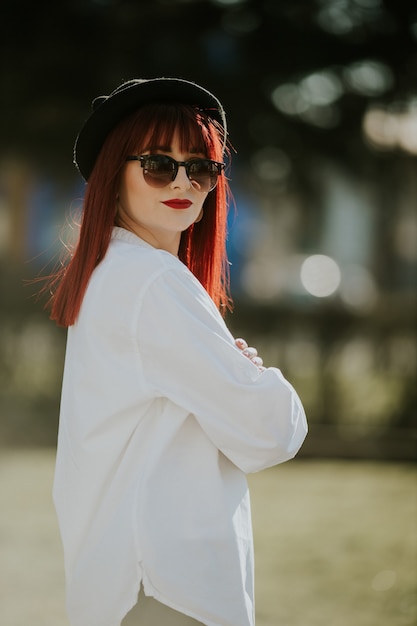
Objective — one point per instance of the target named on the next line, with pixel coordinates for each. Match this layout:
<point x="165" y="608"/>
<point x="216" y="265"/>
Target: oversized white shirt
<point x="161" y="418"/>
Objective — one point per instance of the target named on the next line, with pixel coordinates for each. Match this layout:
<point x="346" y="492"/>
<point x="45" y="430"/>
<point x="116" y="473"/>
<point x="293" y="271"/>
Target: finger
<point x="257" y="361"/>
<point x="250" y="352"/>
<point x="241" y="343"/>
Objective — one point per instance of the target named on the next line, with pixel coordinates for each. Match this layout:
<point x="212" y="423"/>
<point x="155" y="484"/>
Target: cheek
<point x="129" y="189"/>
<point x="121" y="195"/>
<point x="201" y="200"/>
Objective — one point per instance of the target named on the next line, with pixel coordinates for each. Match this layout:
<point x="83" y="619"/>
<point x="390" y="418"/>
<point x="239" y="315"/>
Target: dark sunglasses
<point x="159" y="170"/>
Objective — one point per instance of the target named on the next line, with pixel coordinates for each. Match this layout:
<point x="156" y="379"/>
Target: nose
<point x="181" y="180"/>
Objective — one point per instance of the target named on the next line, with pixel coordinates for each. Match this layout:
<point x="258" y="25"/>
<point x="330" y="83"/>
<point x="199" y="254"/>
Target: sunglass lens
<point x="158" y="170"/>
<point x="203" y="173"/>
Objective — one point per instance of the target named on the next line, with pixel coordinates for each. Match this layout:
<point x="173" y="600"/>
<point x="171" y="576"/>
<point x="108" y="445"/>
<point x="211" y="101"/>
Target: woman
<point x="163" y="412"/>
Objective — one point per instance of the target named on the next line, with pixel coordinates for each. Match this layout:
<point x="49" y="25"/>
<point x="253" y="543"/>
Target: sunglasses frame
<point x="218" y="168"/>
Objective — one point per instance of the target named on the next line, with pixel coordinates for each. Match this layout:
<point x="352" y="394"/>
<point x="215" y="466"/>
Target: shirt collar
<point x="126" y="235"/>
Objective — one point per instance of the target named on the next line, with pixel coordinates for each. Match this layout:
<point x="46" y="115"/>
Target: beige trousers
<point x="150" y="612"/>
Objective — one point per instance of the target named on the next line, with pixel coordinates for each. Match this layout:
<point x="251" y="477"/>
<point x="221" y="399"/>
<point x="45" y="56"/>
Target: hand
<point x="250" y="353"/>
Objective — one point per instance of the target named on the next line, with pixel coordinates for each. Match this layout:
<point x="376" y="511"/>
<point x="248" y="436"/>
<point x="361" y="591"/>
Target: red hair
<point x="203" y="244"/>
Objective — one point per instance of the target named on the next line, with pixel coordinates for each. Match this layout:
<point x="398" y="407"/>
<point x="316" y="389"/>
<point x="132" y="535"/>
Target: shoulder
<point x="131" y="265"/>
<point x="133" y="270"/>
<point x="129" y="253"/>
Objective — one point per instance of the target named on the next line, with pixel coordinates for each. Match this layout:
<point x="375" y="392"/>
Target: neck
<point x="170" y="242"/>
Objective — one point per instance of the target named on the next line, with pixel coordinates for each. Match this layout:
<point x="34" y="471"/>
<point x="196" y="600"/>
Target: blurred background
<point x="321" y="97"/>
<point x="322" y="106"/>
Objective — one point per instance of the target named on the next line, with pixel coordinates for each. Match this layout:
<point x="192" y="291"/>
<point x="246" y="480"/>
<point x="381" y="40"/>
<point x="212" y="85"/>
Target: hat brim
<point x="109" y="110"/>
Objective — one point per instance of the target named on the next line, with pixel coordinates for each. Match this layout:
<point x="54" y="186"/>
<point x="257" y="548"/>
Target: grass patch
<point x="335" y="544"/>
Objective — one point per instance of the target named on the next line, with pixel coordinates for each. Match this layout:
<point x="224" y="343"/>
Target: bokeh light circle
<point x="320" y="275"/>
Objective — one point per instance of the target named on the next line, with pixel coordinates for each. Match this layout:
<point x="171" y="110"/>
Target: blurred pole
<point x="17" y="182"/>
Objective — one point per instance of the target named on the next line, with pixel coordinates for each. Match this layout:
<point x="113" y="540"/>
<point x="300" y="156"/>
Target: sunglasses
<point x="159" y="170"/>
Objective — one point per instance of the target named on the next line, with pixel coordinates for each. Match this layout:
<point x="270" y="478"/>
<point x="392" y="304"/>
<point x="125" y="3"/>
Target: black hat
<point x="109" y="110"/>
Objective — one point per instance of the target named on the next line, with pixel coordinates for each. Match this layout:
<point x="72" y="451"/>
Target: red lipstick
<point x="176" y="203"/>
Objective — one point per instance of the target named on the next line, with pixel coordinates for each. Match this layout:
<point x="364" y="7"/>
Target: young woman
<point x="163" y="412"/>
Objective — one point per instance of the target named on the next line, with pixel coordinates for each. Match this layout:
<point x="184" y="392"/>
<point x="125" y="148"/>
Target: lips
<point x="176" y="203"/>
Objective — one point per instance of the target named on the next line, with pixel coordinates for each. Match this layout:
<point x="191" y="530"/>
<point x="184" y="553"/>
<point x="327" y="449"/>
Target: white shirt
<point x="161" y="418"/>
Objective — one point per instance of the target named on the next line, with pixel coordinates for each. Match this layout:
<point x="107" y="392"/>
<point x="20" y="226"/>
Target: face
<point x="159" y="215"/>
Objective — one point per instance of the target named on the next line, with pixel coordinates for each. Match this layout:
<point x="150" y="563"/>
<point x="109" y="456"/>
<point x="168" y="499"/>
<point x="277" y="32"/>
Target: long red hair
<point x="202" y="245"/>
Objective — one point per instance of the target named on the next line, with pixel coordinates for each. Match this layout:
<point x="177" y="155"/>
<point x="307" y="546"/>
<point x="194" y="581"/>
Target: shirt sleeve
<point x="188" y="354"/>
